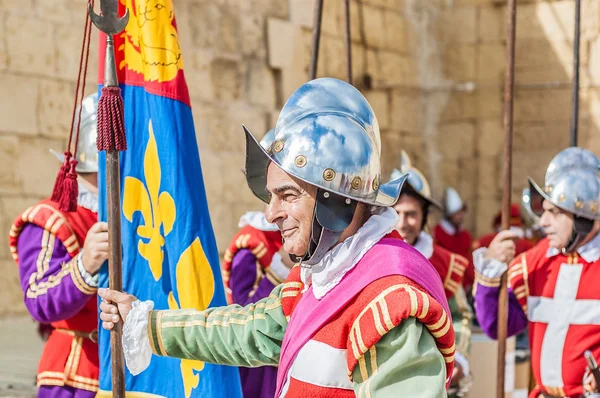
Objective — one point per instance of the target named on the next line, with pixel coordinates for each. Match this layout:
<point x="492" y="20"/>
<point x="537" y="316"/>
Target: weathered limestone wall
<point x="432" y="70"/>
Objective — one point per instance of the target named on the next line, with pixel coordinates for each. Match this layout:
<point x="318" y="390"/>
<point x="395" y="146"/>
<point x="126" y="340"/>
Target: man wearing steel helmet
<point x="553" y="287"/>
<point x="58" y="254"/>
<point x="362" y="314"/>
<point x="253" y="265"/>
<point x="413" y="207"/>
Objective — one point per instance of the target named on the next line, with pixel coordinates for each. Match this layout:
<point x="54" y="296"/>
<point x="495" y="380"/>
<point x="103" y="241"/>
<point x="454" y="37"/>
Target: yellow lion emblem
<point x="151" y="43"/>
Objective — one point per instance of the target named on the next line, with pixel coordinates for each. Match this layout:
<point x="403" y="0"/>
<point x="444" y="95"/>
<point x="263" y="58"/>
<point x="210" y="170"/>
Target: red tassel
<point x="111" y="123"/>
<point x="68" y="199"/>
<point x="60" y="178"/>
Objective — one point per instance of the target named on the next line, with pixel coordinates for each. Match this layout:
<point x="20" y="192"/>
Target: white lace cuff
<point x="463" y="362"/>
<point x="278" y="267"/>
<point x="91" y="280"/>
<point x="136" y="342"/>
<point x="488" y="267"/>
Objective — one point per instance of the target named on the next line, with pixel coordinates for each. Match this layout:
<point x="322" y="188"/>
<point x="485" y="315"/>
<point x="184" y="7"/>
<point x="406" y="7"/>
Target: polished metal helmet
<point x="572" y="183"/>
<point x="328" y="136"/>
<point x="87" y="152"/>
<point x="416" y="181"/>
<point x="267" y="139"/>
<point x="453" y="203"/>
<point x="532" y="218"/>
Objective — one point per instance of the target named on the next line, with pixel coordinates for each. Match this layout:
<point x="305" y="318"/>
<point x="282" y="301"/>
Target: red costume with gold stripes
<point x="45" y="243"/>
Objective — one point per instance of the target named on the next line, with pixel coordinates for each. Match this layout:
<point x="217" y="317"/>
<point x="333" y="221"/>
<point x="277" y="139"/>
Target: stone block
<point x="398" y="33"/>
<point x="18" y="7"/>
<point x="333" y="58"/>
<point x="460" y="62"/>
<point x="489" y="102"/>
<point x="540" y="135"/>
<point x="491" y="63"/>
<point x="456" y="140"/>
<point x="289" y="51"/>
<point x="219" y="128"/>
<point x="542" y="104"/>
<point x="59" y="11"/>
<point x="198" y="74"/>
<point x="380" y="102"/>
<point x="302" y="12"/>
<point x="68" y="49"/>
<point x="492" y="24"/>
<point x="3" y="51"/>
<point x="374" y="26"/>
<point x="55" y="109"/>
<point x="530" y="163"/>
<point x="490" y="138"/>
<point x="214" y="27"/>
<point x="396" y="70"/>
<point x="253" y="39"/>
<point x="267" y="8"/>
<point x="226" y="76"/>
<point x="449" y="176"/>
<point x="490" y="178"/>
<point x="332" y="19"/>
<point x="391" y="145"/>
<point x="593" y="68"/>
<point x="456" y="105"/>
<point x="9" y="153"/>
<point x="18" y="111"/>
<point x="30" y="45"/>
<point x="406" y="111"/>
<point x="11" y="295"/>
<point x="36" y="166"/>
<point x="260" y="85"/>
<point x="458" y="25"/>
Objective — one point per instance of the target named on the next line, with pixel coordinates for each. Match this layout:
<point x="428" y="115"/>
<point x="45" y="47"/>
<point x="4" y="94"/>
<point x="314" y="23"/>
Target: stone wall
<point x="432" y="70"/>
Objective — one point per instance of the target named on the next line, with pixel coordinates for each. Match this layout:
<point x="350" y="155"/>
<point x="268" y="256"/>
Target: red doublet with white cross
<point x="560" y="296"/>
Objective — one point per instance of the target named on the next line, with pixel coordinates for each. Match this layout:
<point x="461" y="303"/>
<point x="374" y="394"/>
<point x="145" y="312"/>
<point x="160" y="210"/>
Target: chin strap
<point x="581" y="228"/>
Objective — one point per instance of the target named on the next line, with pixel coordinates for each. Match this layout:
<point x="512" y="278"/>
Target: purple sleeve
<point x="247" y="286"/>
<point x="486" y="308"/>
<point x="50" y="279"/>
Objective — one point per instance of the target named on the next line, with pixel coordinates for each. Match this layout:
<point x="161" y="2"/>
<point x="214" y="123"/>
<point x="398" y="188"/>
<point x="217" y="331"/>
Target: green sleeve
<point x="462" y="315"/>
<point x="239" y="336"/>
<point x="404" y="363"/>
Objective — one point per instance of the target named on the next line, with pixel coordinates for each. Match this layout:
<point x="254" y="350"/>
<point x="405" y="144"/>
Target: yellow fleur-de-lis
<point x="158" y="209"/>
<point x="195" y="288"/>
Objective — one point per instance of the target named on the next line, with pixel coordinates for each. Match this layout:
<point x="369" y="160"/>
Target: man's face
<point x="411" y="218"/>
<point x="557" y="224"/>
<point x="90" y="180"/>
<point x="291" y="208"/>
<point x="457" y="219"/>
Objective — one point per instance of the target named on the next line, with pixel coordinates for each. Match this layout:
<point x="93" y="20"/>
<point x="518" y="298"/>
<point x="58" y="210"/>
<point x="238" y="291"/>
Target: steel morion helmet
<point x="328" y="136"/>
<point x="572" y="183"/>
<point x="87" y="152"/>
<point x="453" y="203"/>
<point x="267" y="140"/>
<point x="416" y="182"/>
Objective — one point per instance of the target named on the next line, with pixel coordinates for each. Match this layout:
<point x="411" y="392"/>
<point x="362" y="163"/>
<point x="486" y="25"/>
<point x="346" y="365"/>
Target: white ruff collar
<point x="328" y="272"/>
<point x="257" y="219"/>
<point x="424" y="244"/>
<point x="87" y="199"/>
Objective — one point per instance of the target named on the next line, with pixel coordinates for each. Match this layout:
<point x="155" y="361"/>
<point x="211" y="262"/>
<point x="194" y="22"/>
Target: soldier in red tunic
<point x="413" y="207"/>
<point x="450" y="233"/>
<point x="58" y="254"/>
<point x="553" y="287"/>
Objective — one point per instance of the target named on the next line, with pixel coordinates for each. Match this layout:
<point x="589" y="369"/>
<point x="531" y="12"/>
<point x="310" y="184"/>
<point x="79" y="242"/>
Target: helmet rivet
<point x="300" y="161"/>
<point x="82" y="157"/>
<point x="348" y="201"/>
<point x="356" y="183"/>
<point x="594" y="207"/>
<point x="328" y="174"/>
<point x="278" y="146"/>
<point x="562" y="197"/>
<point x="548" y="189"/>
<point x="578" y="204"/>
<point x="376" y="183"/>
<point x="326" y="195"/>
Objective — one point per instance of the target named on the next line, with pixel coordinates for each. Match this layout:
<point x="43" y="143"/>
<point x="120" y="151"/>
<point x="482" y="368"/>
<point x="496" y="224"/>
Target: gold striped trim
<point x="373" y="355"/>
